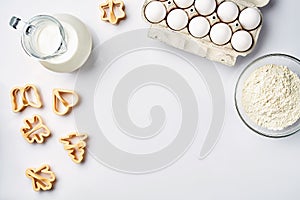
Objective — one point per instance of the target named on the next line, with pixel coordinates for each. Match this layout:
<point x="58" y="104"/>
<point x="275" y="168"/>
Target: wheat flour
<point x="271" y="97"/>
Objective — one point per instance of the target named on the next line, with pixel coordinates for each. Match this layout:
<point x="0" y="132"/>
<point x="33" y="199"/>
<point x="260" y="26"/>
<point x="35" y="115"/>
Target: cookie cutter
<point x="25" y="101"/>
<point x="42" y="177"/>
<point x="76" y="150"/>
<point x="35" y="130"/>
<point x="112" y="17"/>
<point x="59" y="99"/>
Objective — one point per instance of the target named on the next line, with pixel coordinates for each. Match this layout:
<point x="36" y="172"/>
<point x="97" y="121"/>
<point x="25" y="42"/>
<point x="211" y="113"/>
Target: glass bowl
<point x="278" y="59"/>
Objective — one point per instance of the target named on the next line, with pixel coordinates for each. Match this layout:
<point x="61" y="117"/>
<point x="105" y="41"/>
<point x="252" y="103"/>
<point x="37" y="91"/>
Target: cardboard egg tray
<point x="204" y="47"/>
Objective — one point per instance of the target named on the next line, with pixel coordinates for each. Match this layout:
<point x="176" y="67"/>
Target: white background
<point x="243" y="165"/>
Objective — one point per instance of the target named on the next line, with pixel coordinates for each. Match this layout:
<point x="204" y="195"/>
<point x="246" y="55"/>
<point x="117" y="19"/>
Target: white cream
<point x="184" y="3"/>
<point x="155" y="11"/>
<point x="205" y="7"/>
<point x="177" y="19"/>
<point x="250" y="18"/>
<point x="241" y="41"/>
<point x="220" y="33"/>
<point x="228" y="11"/>
<point x="199" y="27"/>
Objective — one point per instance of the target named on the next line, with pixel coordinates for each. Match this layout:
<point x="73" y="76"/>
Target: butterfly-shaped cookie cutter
<point x="20" y="105"/>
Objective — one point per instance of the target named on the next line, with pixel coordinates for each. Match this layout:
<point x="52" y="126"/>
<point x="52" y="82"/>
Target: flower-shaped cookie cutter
<point x="22" y="97"/>
<point x="35" y="130"/>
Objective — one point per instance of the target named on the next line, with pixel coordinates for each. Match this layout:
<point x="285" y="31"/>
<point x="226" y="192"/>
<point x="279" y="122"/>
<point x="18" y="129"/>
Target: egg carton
<point x="219" y="30"/>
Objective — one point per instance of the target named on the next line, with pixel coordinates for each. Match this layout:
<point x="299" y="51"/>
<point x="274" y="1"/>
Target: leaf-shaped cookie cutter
<point x="35" y="130"/>
<point x="23" y="92"/>
<point x="111" y="16"/>
<point x="58" y="96"/>
<point x="75" y="150"/>
<point x="38" y="180"/>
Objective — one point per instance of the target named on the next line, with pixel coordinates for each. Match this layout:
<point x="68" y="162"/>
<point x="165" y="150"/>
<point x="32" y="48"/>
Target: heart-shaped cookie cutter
<point x="58" y="99"/>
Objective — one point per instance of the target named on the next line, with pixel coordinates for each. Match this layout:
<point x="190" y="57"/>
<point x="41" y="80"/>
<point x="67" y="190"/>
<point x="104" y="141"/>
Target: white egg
<point x="220" y="33"/>
<point x="177" y="19"/>
<point x="250" y="18"/>
<point x="228" y="11"/>
<point x="205" y="7"/>
<point x="155" y="11"/>
<point x="199" y="27"/>
<point x="241" y="40"/>
<point x="184" y="3"/>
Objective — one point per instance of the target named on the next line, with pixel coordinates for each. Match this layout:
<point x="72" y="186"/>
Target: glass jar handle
<point x="19" y="25"/>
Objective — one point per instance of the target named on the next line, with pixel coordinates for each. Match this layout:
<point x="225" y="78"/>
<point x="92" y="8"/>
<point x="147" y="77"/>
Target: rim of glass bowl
<point x="256" y="128"/>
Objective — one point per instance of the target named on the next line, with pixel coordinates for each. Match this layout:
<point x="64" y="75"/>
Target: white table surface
<point x="243" y="165"/>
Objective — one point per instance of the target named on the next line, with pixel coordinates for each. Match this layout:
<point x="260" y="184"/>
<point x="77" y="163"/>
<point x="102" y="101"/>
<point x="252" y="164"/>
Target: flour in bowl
<point x="271" y="97"/>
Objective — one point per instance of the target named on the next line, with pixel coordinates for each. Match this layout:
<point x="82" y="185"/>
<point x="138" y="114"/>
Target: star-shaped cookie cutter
<point x="111" y="17"/>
